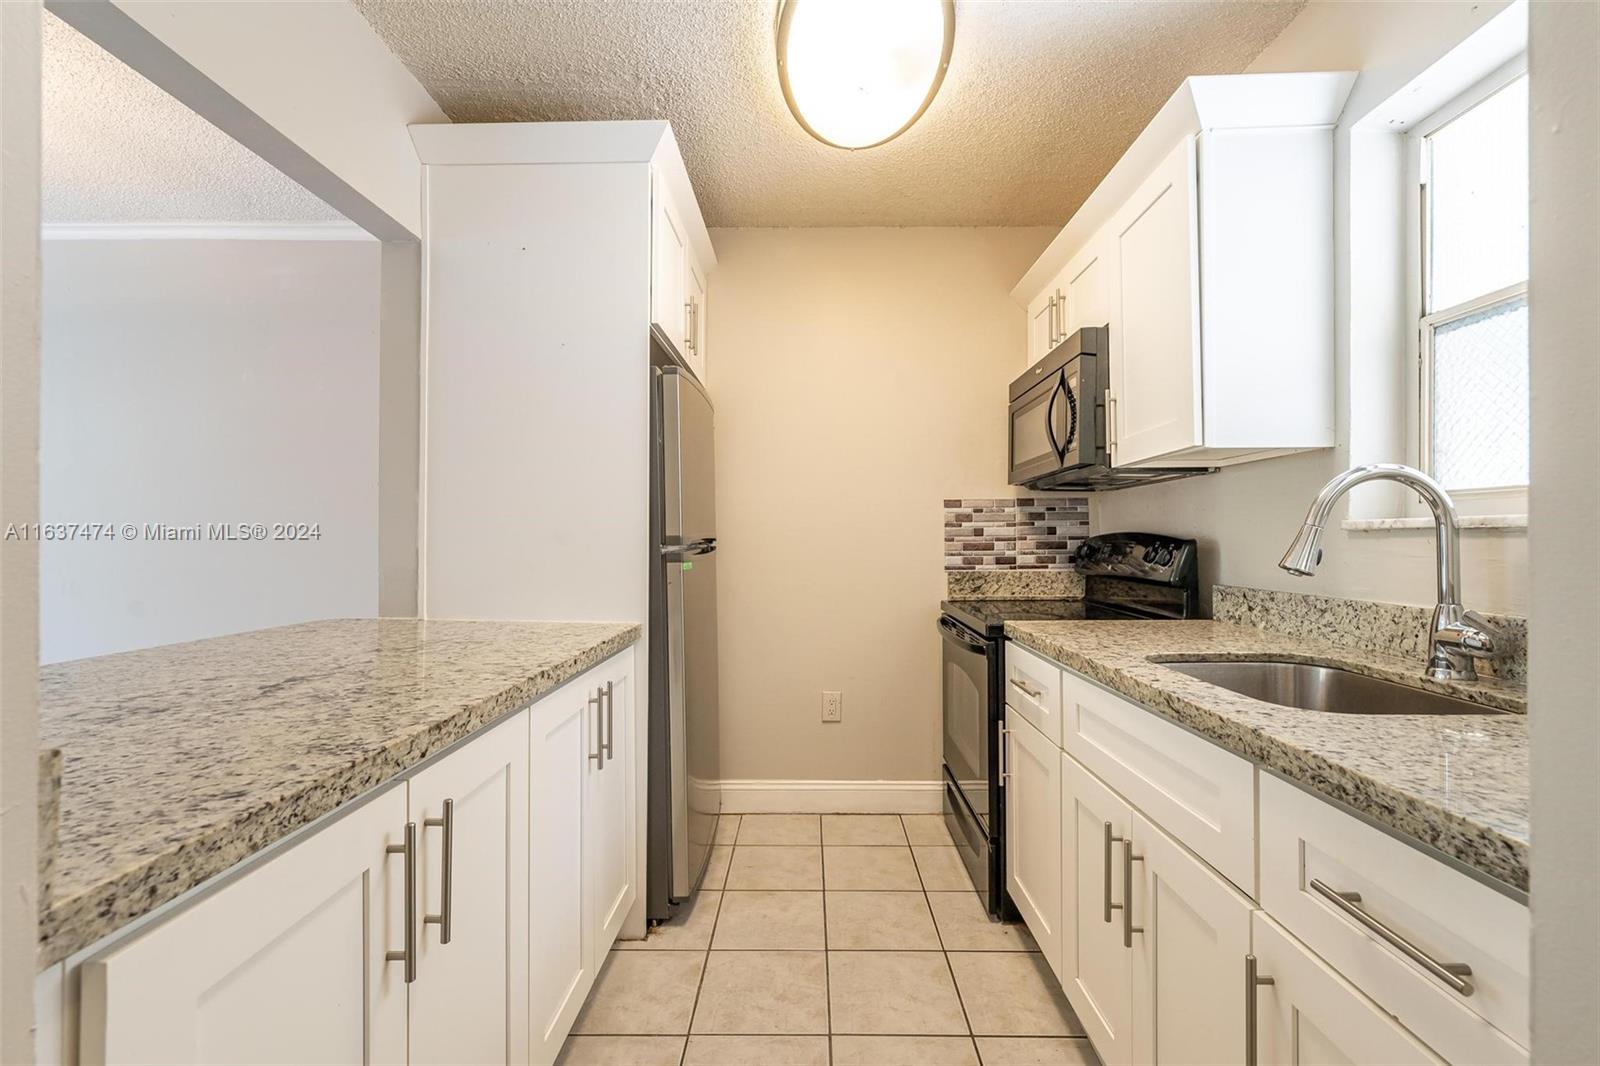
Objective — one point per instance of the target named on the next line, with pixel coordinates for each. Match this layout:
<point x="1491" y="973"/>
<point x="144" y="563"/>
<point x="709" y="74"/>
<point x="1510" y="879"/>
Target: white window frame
<point x="1499" y="500"/>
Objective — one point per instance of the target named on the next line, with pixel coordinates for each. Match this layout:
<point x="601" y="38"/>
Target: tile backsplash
<point x="1026" y="533"/>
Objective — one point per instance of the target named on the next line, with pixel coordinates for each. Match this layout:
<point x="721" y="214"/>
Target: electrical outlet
<point x="832" y="706"/>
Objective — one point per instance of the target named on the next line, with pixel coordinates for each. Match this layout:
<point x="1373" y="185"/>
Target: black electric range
<point x="1126" y="576"/>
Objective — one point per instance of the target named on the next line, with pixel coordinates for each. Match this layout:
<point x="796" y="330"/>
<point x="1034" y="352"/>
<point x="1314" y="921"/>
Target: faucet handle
<point x="1473" y="635"/>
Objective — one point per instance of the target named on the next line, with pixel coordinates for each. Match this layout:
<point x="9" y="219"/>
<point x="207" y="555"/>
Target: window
<point x="1472" y="342"/>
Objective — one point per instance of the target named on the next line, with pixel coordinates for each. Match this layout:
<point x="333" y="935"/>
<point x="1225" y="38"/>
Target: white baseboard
<point x="831" y="797"/>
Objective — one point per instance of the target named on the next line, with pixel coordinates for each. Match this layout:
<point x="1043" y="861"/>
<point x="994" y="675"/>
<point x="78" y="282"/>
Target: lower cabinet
<point x="1309" y="1014"/>
<point x="457" y="916"/>
<point x="1097" y="964"/>
<point x="469" y="1003"/>
<point x="1191" y="934"/>
<point x="288" y="963"/>
<point x="1033" y="832"/>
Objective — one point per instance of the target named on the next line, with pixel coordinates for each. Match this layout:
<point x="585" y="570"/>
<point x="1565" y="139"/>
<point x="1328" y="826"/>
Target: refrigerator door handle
<point x="677" y="553"/>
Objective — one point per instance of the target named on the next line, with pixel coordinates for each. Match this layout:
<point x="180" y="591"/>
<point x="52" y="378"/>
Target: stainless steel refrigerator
<point x="685" y="789"/>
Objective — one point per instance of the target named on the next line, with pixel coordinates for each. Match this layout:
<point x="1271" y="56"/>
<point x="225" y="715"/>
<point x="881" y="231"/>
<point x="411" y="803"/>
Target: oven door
<point x="968" y="731"/>
<point x="1039" y="423"/>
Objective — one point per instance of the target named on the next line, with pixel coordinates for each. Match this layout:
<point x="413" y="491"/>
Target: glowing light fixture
<point x="858" y="73"/>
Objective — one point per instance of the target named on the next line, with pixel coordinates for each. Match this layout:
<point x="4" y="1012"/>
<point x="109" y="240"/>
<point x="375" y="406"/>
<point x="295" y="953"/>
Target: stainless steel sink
<point x="1323" y="688"/>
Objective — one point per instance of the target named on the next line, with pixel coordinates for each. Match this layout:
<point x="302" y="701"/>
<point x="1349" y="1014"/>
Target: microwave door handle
<point x="1050" y="421"/>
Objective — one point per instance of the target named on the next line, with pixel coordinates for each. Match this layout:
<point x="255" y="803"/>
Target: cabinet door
<point x="1033" y="832"/>
<point x="1155" y="365"/>
<point x="609" y="814"/>
<point x="1309" y="1014"/>
<point x="469" y="1001"/>
<point x="1085" y="289"/>
<point x="563" y="964"/>
<point x="1194" y="930"/>
<point x="696" y="355"/>
<point x="283" y="964"/>
<point x="668" y="284"/>
<point x="1041" y="325"/>
<point x="1097" y="968"/>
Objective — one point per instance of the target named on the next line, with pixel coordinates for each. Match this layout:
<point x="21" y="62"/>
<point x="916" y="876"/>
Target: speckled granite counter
<point x="1457" y="783"/>
<point x="183" y="760"/>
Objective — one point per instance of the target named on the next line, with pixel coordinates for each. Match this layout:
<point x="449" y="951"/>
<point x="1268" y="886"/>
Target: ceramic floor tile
<point x="754" y="993"/>
<point x="856" y="869"/>
<point x="776" y="868"/>
<point x="717" y="869"/>
<point x="926" y="829"/>
<point x="689" y="929"/>
<point x="1012" y="994"/>
<point x="1036" y="1051"/>
<point x="942" y="870"/>
<point x="880" y="921"/>
<point x="862" y="829"/>
<point x="965" y="926"/>
<point x="893" y="992"/>
<point x="766" y="1050"/>
<point x="772" y="921"/>
<point x="904" y="1051"/>
<point x="780" y="829"/>
<point x="642" y="992"/>
<point x="727" y="829"/>
<point x="621" y="1051"/>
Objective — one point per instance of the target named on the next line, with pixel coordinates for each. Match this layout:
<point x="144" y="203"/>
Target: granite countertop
<point x="1458" y="783"/>
<point x="180" y="761"/>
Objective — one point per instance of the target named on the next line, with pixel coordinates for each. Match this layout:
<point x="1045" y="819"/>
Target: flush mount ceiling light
<point x="858" y="73"/>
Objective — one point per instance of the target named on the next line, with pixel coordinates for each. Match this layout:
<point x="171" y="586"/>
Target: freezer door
<point x="689" y="508"/>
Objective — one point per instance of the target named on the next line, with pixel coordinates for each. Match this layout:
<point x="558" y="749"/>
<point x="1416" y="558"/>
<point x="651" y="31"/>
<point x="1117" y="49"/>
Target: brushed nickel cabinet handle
<point x="1031" y="693"/>
<point x="408" y="955"/>
<point x="1252" y="981"/>
<point x="1005" y="754"/>
<point x="1061" y="317"/>
<point x="448" y="824"/>
<point x="1454" y="974"/>
<point x="598" y="755"/>
<point x="1110" y="839"/>
<point x="1128" y="859"/>
<point x="611" y="720"/>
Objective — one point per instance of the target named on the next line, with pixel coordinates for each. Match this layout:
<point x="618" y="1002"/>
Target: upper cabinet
<point x="677" y="279"/>
<point x="1208" y="251"/>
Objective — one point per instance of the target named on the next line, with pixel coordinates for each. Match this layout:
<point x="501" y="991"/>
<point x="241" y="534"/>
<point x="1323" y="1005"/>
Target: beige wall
<point x="1245" y="516"/>
<point x="858" y="376"/>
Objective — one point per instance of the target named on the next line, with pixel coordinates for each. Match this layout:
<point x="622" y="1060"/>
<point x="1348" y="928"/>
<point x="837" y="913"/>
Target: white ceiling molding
<point x="204" y="231"/>
<point x="1039" y="101"/>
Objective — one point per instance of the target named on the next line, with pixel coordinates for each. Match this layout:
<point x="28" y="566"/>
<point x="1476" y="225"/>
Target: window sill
<point x="1466" y="521"/>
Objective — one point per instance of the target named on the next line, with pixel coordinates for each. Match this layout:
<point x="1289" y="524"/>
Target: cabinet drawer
<point x="1196" y="791"/>
<point x="1444" y="914"/>
<point x="1033" y="688"/>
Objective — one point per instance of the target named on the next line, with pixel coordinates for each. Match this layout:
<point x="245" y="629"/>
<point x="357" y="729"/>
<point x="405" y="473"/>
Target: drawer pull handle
<point x="1031" y="693"/>
<point x="1252" y="981"/>
<point x="1454" y="974"/>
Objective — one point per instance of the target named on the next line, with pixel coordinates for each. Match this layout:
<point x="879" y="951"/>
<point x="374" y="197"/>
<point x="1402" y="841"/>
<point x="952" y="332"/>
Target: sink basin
<point x="1323" y="688"/>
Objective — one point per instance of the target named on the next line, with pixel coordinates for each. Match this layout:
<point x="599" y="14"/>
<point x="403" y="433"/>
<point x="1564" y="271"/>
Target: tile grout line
<point x="711" y="938"/>
<point x="928" y="903"/>
<point x="827" y="959"/>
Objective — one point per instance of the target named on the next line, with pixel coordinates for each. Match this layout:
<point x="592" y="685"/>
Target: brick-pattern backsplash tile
<point x="1027" y="533"/>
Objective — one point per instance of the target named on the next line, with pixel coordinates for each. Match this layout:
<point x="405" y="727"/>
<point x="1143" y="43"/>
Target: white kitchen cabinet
<point x="285" y="963"/>
<point x="564" y="740"/>
<point x="1193" y="931"/>
<point x="1097" y="966"/>
<point x="1310" y="1014"/>
<point x="677" y="280"/>
<point x="608" y="808"/>
<point x="1043" y="324"/>
<point x="469" y="1003"/>
<point x="1208" y="251"/>
<point x="1033" y="832"/>
<point x="696" y="354"/>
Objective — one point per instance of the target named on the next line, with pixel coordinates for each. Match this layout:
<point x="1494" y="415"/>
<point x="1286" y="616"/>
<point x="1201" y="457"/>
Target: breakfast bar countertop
<point x="180" y="761"/>
<point x="1456" y="783"/>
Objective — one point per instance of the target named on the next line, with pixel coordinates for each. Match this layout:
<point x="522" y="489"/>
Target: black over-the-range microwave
<point x="1057" y="421"/>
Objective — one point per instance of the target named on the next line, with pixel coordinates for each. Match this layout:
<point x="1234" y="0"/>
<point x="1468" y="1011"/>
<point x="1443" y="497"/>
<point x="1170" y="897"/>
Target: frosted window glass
<point x="1478" y="199"/>
<point x="1480" y="398"/>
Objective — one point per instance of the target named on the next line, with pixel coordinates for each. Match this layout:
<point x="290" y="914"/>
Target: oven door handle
<point x="956" y="632"/>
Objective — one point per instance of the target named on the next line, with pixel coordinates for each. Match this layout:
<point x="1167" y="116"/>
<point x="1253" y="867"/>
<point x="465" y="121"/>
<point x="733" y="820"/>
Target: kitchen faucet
<point x="1458" y="636"/>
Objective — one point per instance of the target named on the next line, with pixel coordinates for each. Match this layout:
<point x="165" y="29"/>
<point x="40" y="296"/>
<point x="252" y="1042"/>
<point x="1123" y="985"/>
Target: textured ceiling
<point x="1040" y="100"/>
<point x="118" y="149"/>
